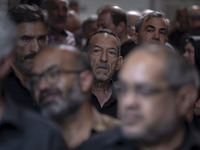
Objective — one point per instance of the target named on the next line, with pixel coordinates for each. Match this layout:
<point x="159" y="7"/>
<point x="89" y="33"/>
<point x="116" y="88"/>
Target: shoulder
<point x="102" y="122"/>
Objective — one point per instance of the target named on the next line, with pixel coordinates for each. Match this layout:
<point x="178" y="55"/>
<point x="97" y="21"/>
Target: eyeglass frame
<point x="45" y="73"/>
<point x="150" y="91"/>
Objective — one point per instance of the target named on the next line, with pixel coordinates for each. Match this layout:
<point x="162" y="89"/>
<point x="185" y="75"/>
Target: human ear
<point x="187" y="96"/>
<point x="86" y="80"/>
<point x="119" y="63"/>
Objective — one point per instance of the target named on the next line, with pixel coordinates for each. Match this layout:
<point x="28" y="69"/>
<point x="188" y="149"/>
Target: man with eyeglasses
<point x="156" y="89"/>
<point x="61" y="81"/>
<point x="103" y="50"/>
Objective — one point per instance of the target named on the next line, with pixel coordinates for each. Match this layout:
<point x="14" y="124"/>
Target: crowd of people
<point x="116" y="81"/>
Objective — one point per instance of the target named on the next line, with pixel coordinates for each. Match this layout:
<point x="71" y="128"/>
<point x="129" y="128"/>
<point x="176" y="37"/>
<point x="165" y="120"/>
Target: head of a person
<point x="181" y="19"/>
<point x="32" y="24"/>
<point x="103" y="49"/>
<point x="190" y="48"/>
<point x="89" y="26"/>
<point x="193" y="13"/>
<point x="156" y="89"/>
<point x="57" y="11"/>
<point x="131" y="17"/>
<point x="73" y="23"/>
<point x="112" y="17"/>
<point x="151" y="28"/>
<point x="60" y="80"/>
<point x="8" y="39"/>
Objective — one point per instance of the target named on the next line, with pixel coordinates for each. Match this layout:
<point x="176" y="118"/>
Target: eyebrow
<point x="153" y="27"/>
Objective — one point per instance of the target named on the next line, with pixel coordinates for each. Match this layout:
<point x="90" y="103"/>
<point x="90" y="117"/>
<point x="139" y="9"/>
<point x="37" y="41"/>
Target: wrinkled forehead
<point x="143" y="67"/>
<point x="48" y="58"/>
<point x="104" y="38"/>
<point x="155" y="20"/>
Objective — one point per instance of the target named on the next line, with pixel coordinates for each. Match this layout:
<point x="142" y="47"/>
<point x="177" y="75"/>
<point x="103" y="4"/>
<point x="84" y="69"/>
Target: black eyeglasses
<point x="51" y="75"/>
<point x="141" y="89"/>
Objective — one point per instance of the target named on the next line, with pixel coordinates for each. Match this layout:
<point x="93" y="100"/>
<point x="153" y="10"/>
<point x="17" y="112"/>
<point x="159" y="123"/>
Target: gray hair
<point x="103" y="31"/>
<point x="147" y="16"/>
<point x="8" y="35"/>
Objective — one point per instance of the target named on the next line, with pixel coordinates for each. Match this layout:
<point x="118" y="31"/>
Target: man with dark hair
<point x="156" y="89"/>
<point x="57" y="11"/>
<point x="21" y="129"/>
<point x="88" y="27"/>
<point x="113" y="17"/>
<point x="103" y="49"/>
<point x="61" y="81"/>
<point x="31" y="23"/>
<point x="151" y="28"/>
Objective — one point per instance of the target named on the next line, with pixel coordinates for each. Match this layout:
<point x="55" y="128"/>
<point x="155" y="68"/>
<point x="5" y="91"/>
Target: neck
<point x="124" y="37"/>
<point x="22" y="76"/>
<point x="76" y="127"/>
<point x="102" y="90"/>
<point x="169" y="143"/>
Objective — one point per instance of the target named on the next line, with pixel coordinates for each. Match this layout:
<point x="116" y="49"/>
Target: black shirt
<point x="113" y="140"/>
<point x="127" y="47"/>
<point x="22" y="129"/>
<point x="109" y="108"/>
<point x="12" y="86"/>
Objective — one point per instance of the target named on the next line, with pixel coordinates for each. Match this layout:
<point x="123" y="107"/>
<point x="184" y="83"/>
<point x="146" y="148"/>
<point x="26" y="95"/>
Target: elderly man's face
<point x="146" y="107"/>
<point x="103" y="54"/>
<point x="32" y="37"/>
<point x="152" y="31"/>
<point x="57" y="10"/>
<point x="55" y="83"/>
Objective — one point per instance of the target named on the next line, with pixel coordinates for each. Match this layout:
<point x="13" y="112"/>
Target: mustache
<point x="103" y="65"/>
<point x="48" y="92"/>
<point x="30" y="56"/>
<point x="60" y="18"/>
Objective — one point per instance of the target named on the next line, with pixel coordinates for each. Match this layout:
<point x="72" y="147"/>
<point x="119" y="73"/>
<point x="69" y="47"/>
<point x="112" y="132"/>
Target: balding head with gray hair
<point x="8" y="35"/>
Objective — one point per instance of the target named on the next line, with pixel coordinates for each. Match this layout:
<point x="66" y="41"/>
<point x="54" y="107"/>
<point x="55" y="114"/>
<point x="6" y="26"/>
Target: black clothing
<point x="113" y="140"/>
<point x="22" y="129"/>
<point x="109" y="108"/>
<point x="12" y="86"/>
<point x="127" y="47"/>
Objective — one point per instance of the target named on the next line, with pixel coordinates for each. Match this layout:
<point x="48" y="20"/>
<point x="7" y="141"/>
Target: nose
<point x="186" y="54"/>
<point x="156" y="35"/>
<point x="43" y="84"/>
<point x="61" y="12"/>
<point x="130" y="99"/>
<point x="104" y="56"/>
<point x="34" y="45"/>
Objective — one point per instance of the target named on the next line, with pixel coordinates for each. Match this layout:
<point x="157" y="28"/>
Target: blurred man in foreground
<point x="61" y="82"/>
<point x="156" y="89"/>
